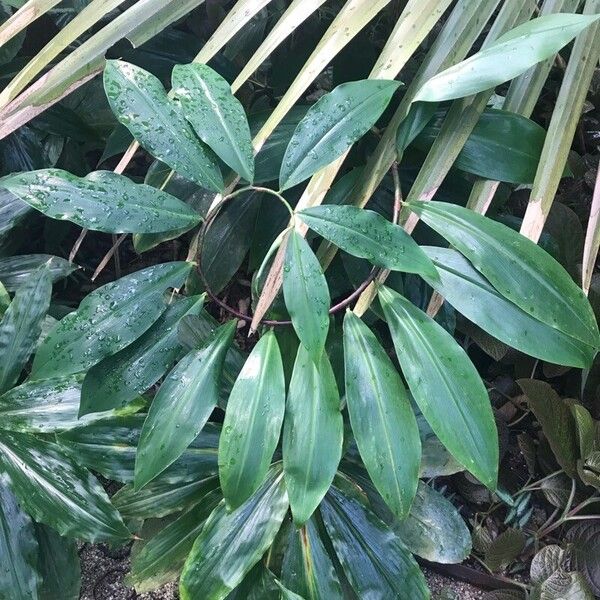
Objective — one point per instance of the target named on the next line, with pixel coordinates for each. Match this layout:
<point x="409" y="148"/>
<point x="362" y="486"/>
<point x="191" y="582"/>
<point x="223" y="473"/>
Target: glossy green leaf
<point x="306" y="295"/>
<point x="434" y="529"/>
<point x="472" y="295"/>
<point x="162" y="556"/>
<point x="216" y="115"/>
<point x="252" y="422"/>
<point x="510" y="55"/>
<point x="15" y="270"/>
<point x="332" y="125"/>
<point x="57" y="492"/>
<point x="519" y="269"/>
<point x="58" y="565"/>
<point x="503" y="146"/>
<point x="374" y="560"/>
<point x="231" y="543"/>
<point x="21" y="326"/>
<point x="445" y="386"/>
<point x="182" y="406"/>
<point x="307" y="569"/>
<point x="312" y="434"/>
<point x="107" y="320"/>
<point x="140" y="102"/>
<point x="120" y="378"/>
<point x="101" y="201"/>
<point x="367" y="234"/>
<point x="19" y="578"/>
<point x="12" y="212"/>
<point x="383" y="423"/>
<point x="44" y="406"/>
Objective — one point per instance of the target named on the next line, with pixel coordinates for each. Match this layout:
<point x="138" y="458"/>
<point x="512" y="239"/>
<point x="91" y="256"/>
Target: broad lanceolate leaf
<point x="332" y="125"/>
<point x="510" y="55"/>
<point x="445" y="385"/>
<point x="101" y="201"/>
<point x="57" y="492"/>
<point x="252" y="422"/>
<point x="375" y="561"/>
<point x="231" y="543"/>
<point x="182" y="406"/>
<point x="472" y="295"/>
<point x="15" y="270"/>
<point x="120" y="378"/>
<point x="519" y="269"/>
<point x="307" y="569"/>
<point x="162" y="556"/>
<point x="20" y="327"/>
<point x="312" y="434"/>
<point x="306" y="295"/>
<point x="107" y="320"/>
<point x="140" y="102"/>
<point x="367" y="234"/>
<point x="383" y="423"/>
<point x="216" y="115"/>
<point x="19" y="578"/>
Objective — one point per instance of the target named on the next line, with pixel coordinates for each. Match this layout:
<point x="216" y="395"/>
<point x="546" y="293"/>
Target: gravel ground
<point x="103" y="571"/>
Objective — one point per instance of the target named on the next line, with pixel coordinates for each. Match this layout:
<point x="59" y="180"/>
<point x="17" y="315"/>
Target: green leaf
<point x="510" y="55"/>
<point x="15" y="270"/>
<point x="367" y="234"/>
<point x="57" y="492"/>
<point x="519" y="269"/>
<point x="22" y="324"/>
<point x="19" y="578"/>
<point x="504" y="549"/>
<point x="563" y="585"/>
<point x="162" y="556"/>
<point x="101" y="201"/>
<point x="306" y="295"/>
<point x="548" y="560"/>
<point x="472" y="295"/>
<point x="434" y="529"/>
<point x="584" y="555"/>
<point x="307" y="569"/>
<point x="182" y="406"/>
<point x="120" y="378"/>
<point x="332" y="125"/>
<point x="107" y="320"/>
<point x="312" y="434"/>
<point x="216" y="115"/>
<point x="383" y="423"/>
<point x="503" y="146"/>
<point x="140" y="102"/>
<point x="557" y="421"/>
<point x="231" y="543"/>
<point x="58" y="565"/>
<point x="374" y="559"/>
<point x="445" y="385"/>
<point x="252" y="422"/>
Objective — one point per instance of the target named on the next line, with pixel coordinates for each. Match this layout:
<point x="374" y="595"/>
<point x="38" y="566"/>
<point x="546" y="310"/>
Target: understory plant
<point x="301" y="464"/>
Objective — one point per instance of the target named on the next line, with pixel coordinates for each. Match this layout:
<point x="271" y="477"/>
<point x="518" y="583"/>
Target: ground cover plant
<point x="307" y="357"/>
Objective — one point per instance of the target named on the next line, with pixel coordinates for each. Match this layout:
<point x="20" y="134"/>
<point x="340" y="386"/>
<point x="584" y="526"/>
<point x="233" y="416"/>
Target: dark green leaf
<point x="584" y="544"/>
<point x="231" y="543"/>
<point x="57" y="492"/>
<point x="12" y="211"/>
<point x="107" y="320"/>
<point x="312" y="434"/>
<point x="383" y="423"/>
<point x="15" y="270"/>
<point x="120" y="378"/>
<point x="519" y="269"/>
<point x="182" y="406"/>
<point x="140" y="102"/>
<point x="216" y="115"/>
<point x="101" y="201"/>
<point x="332" y="125"/>
<point x="504" y="549"/>
<point x="445" y="385"/>
<point x="367" y="234"/>
<point x="374" y="559"/>
<point x="548" y="560"/>
<point x="563" y="585"/>
<point x="252" y="422"/>
<point x="306" y="294"/>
